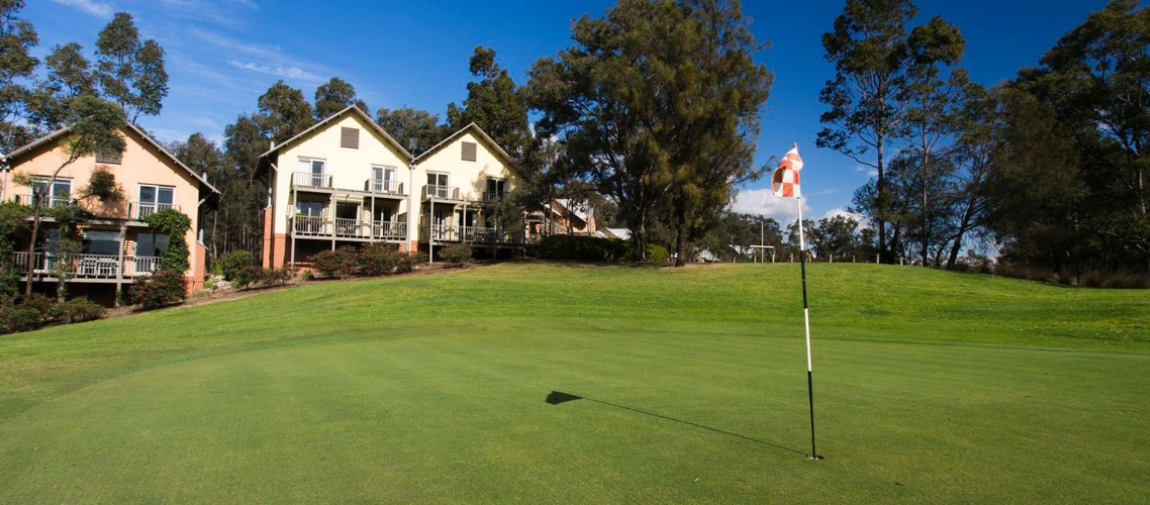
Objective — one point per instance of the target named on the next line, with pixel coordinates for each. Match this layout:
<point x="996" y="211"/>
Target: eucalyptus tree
<point x="334" y="96"/>
<point x="131" y="71"/>
<point x="17" y="65"/>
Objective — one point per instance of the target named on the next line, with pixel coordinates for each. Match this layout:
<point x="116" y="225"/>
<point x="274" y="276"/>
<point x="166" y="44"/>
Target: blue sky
<point x="223" y="54"/>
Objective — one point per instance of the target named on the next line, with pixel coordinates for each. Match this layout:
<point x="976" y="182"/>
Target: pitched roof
<point x="477" y="131"/>
<point x="331" y="119"/>
<point x="59" y="133"/>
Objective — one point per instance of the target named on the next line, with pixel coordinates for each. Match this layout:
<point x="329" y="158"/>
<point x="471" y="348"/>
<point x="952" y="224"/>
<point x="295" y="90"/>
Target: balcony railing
<point x="143" y="209"/>
<point x="86" y="266"/>
<point x="435" y="191"/>
<point x="473" y="234"/>
<point x="384" y="186"/>
<point x="310" y="180"/>
<point x="493" y="196"/>
<point x="28" y="199"/>
<point x="318" y="226"/>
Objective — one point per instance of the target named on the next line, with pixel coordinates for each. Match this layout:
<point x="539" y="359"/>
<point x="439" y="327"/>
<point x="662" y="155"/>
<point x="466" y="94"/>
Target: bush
<point x="247" y="276"/>
<point x="165" y="287"/>
<point x="338" y="263"/>
<point x="375" y="260"/>
<point x="408" y="261"/>
<point x="31" y="313"/>
<point x="583" y="248"/>
<point x="231" y="262"/>
<point x="277" y="276"/>
<point x="456" y="254"/>
<point x="657" y="253"/>
<point x="77" y="310"/>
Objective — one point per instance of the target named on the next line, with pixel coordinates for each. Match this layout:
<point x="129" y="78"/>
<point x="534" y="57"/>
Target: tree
<point x="868" y="47"/>
<point x="204" y="157"/>
<point x="933" y="107"/>
<point x="131" y="72"/>
<point x="16" y="65"/>
<point x="70" y="76"/>
<point x="241" y="211"/>
<point x="657" y="106"/>
<point x="406" y="124"/>
<point x="284" y="112"/>
<point x="334" y="96"/>
<point x="494" y="103"/>
<point x="972" y="153"/>
<point x="96" y="131"/>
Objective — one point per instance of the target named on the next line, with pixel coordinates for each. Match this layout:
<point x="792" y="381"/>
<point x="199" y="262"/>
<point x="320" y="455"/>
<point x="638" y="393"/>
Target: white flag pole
<point x="807" y="324"/>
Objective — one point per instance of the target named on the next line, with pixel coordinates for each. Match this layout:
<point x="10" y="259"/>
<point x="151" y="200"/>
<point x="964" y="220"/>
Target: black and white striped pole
<point x="807" y="324"/>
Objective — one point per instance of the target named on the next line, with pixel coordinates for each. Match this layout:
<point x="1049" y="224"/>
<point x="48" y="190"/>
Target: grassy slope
<point x="931" y="388"/>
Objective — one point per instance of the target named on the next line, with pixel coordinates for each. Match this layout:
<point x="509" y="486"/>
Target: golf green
<point x="681" y="386"/>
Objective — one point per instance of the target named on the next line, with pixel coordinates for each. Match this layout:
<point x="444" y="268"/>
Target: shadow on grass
<point x="558" y="397"/>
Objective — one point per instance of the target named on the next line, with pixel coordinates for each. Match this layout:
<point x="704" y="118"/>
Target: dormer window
<point x="349" y="138"/>
<point x="469" y="151"/>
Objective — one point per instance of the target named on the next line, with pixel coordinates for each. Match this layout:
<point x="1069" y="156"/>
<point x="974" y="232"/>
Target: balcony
<point x="495" y="196"/>
<point x="140" y="210"/>
<point x="310" y="180"/>
<point x="86" y="266"/>
<point x="29" y="200"/>
<point x="473" y="235"/>
<point x="383" y="186"/>
<point x="440" y="192"/>
<point x="342" y="228"/>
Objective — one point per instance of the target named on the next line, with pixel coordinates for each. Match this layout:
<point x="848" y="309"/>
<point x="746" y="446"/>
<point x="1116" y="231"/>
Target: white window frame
<point x="148" y="208"/>
<point x="55" y="199"/>
<point x="388" y="183"/>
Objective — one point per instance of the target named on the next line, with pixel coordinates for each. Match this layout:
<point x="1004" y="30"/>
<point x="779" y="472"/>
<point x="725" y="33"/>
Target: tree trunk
<point x="880" y="210"/>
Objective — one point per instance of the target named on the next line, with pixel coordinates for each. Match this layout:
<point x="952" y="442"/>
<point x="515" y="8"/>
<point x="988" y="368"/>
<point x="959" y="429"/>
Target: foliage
<point x="334" y="96"/>
<point x="252" y="276"/>
<point x="284" y="112"/>
<point x="77" y="310"/>
<point x="162" y="288"/>
<point x="246" y="275"/>
<point x="175" y="225"/>
<point x="232" y="262"/>
<point x="374" y="260"/>
<point x="336" y="264"/>
<point x="456" y="254"/>
<point x="657" y="253"/>
<point x="409" y="261"/>
<point x="494" y="103"/>
<point x="658" y="106"/>
<point x="17" y="38"/>
<point x="584" y="248"/>
<point x="406" y="124"/>
<point x="131" y="72"/>
<point x="70" y="76"/>
<point x="13" y="217"/>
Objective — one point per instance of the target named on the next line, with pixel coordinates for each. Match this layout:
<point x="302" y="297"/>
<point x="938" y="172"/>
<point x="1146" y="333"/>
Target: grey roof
<point x="58" y="133"/>
<point x="332" y="118"/>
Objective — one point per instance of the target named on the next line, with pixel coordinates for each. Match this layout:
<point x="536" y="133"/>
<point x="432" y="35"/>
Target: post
<point x="120" y="264"/>
<point x="807" y="325"/>
<point x="431" y="230"/>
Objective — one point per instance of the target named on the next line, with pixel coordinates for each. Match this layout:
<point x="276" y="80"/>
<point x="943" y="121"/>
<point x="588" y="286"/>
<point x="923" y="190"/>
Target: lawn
<point x="930" y="387"/>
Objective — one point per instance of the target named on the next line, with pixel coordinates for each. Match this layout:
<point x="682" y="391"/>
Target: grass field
<point x="930" y="387"/>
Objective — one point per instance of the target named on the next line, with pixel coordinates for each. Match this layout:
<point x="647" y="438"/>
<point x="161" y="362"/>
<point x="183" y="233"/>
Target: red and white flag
<point x="785" y="181"/>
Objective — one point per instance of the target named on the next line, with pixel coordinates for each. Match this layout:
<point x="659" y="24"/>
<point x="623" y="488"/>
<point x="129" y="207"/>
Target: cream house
<point x="118" y="247"/>
<point x="346" y="181"/>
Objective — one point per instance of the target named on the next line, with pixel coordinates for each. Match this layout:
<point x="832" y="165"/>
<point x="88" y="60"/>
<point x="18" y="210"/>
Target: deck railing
<point x="86" y="266"/>
<point x="384" y="186"/>
<point x="144" y="209"/>
<point x="28" y="199"/>
<point x="318" y="226"/>
<point x="473" y="234"/>
<point x="310" y="180"/>
<point x="436" y="191"/>
<point x="387" y="230"/>
<point x="310" y="225"/>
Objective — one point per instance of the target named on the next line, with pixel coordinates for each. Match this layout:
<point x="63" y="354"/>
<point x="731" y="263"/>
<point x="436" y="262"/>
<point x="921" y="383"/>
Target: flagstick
<point x="807" y="322"/>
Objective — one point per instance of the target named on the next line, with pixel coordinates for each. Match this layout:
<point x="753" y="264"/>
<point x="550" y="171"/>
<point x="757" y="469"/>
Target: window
<point x="496" y="188"/>
<point x="383" y="179"/>
<point x="309" y="208"/>
<point x="309" y="172"/>
<point x="349" y="138"/>
<point x="102" y="242"/>
<point x="154" y="199"/>
<point x="469" y="151"/>
<point x="437" y="185"/>
<point x="109" y="158"/>
<point x="151" y="244"/>
<point x="57" y="196"/>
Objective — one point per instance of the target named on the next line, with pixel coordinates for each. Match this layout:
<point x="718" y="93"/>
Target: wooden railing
<point x="86" y="266"/>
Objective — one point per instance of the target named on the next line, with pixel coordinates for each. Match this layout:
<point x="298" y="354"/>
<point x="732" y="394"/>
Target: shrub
<point x="407" y="262"/>
<point x="456" y="254"/>
<point x="31" y="313"/>
<point x="583" y="248"/>
<point x="232" y="262"/>
<point x="277" y="276"/>
<point x="165" y="287"/>
<point x="375" y="260"/>
<point x="338" y="263"/>
<point x="305" y="275"/>
<point x="247" y="276"/>
<point x="77" y="310"/>
<point x="657" y="253"/>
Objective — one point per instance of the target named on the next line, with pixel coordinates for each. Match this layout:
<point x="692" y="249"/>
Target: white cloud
<point x="762" y="202"/>
<point x="279" y="71"/>
<point x="97" y="9"/>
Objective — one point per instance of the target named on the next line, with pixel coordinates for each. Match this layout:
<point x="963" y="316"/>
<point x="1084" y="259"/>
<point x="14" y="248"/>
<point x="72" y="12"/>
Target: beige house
<point x="118" y="247"/>
<point x="346" y="181"/>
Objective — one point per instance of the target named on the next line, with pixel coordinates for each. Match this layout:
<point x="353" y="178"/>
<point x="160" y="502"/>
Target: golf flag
<point x="785" y="182"/>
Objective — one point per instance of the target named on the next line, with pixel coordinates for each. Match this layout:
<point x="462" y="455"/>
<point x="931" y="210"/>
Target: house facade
<point x="118" y="247"/>
<point x="347" y="182"/>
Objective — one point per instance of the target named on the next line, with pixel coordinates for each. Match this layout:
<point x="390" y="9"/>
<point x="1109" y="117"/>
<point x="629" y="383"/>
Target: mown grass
<point x="930" y="388"/>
